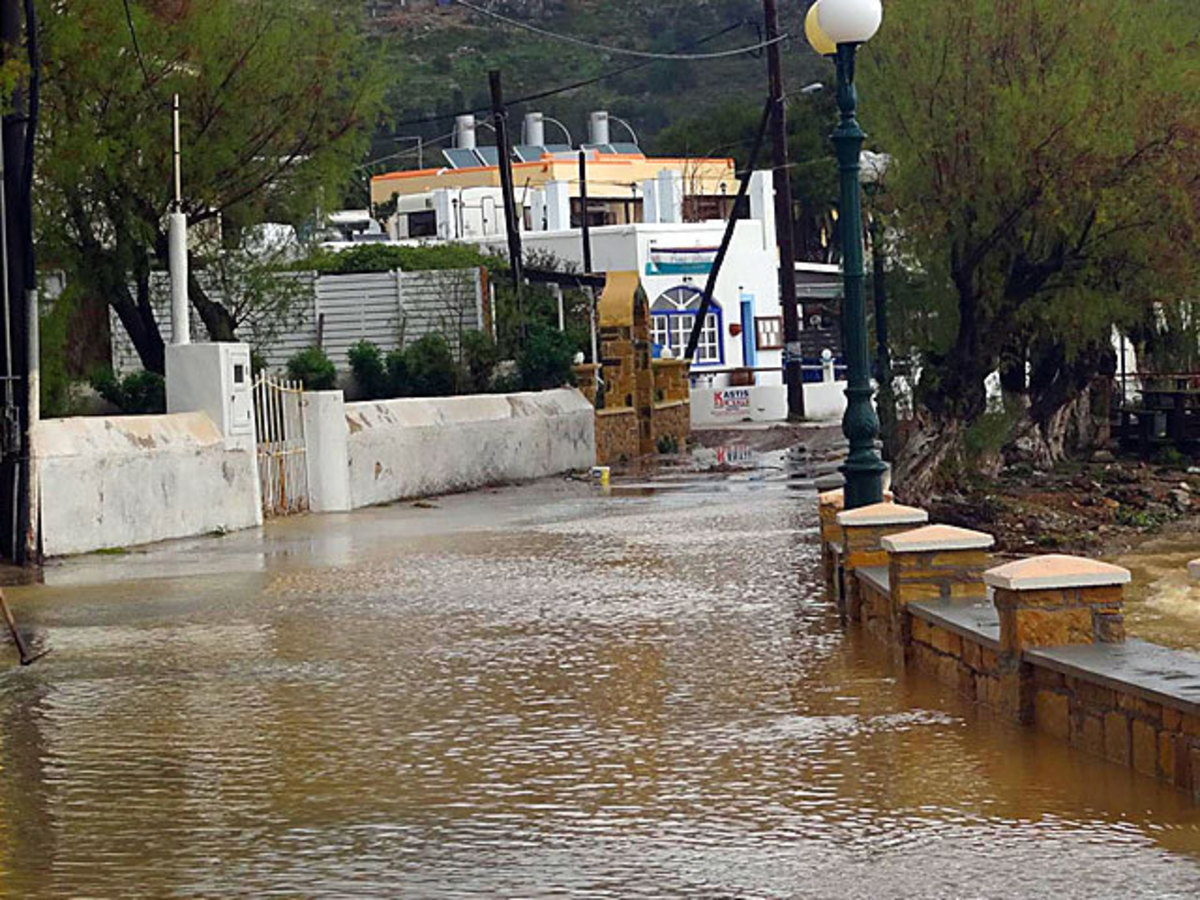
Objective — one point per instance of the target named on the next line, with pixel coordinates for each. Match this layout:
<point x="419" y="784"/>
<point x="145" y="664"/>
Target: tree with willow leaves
<point x="1047" y="157"/>
<point x="275" y="95"/>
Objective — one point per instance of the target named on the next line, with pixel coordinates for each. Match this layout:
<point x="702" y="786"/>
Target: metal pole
<point x="584" y="224"/>
<point x="886" y="401"/>
<point x="177" y="258"/>
<point x="863" y="467"/>
<point x="785" y="228"/>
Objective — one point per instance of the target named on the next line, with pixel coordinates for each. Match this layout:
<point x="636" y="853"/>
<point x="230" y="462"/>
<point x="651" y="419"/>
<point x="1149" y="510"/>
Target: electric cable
<point x="137" y="50"/>
<point x="592" y="45"/>
<point x="567" y="88"/>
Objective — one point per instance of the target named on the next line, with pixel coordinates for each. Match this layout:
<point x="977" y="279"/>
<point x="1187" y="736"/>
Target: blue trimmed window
<point x="672" y="317"/>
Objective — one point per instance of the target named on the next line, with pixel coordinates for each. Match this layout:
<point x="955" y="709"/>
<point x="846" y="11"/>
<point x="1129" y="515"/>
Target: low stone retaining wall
<point x="107" y="482"/>
<point x="1040" y="641"/>
<point x="397" y="449"/>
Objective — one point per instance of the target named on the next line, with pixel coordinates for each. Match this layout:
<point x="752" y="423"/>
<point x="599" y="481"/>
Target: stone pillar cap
<point x="935" y="538"/>
<point x="883" y="514"/>
<point x="838" y="498"/>
<point x="1054" y="571"/>
<point x="1194" y="569"/>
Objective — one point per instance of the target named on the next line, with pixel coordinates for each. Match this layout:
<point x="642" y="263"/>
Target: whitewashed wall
<point x="108" y="482"/>
<point x="386" y="308"/>
<point x="413" y="448"/>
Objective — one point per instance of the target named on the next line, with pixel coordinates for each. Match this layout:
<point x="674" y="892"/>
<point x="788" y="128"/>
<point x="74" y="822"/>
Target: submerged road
<point x="532" y="692"/>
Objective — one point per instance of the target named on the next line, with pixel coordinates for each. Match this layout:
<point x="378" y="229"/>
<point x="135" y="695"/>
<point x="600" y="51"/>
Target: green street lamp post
<point x="836" y="28"/>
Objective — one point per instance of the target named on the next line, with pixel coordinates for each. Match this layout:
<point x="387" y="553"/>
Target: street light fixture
<point x="835" y="28"/>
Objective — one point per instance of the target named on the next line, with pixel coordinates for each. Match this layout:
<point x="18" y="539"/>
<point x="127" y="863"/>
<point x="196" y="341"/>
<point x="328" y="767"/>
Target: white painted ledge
<point x="883" y="514"/>
<point x="1054" y="571"/>
<point x="937" y="538"/>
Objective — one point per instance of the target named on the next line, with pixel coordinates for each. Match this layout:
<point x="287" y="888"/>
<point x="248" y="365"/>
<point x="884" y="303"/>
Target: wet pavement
<point x="533" y="692"/>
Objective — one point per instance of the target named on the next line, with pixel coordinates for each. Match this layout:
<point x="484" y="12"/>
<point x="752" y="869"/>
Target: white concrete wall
<point x="119" y="481"/>
<point x="823" y="402"/>
<point x="420" y="447"/>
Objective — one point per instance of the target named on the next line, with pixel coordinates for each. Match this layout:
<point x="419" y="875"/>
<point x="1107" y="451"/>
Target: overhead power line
<point x="137" y="50"/>
<point x="573" y="86"/>
<point x="592" y="45"/>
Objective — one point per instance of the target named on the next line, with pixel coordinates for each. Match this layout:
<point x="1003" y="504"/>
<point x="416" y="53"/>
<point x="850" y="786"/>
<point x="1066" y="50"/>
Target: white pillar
<point x="177" y="257"/>
<point x="557" y="290"/>
<point x="443" y="211"/>
<point x="538" y="215"/>
<point x="328" y="455"/>
<point x="670" y="195"/>
<point x="558" y="206"/>
<point x="650" y="201"/>
<point x="762" y="206"/>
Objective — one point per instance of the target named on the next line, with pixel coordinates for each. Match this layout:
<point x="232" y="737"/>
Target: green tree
<point x="274" y="94"/>
<point x="1045" y="182"/>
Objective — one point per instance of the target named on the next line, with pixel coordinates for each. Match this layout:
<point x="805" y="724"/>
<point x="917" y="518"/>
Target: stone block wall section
<point x="1040" y="640"/>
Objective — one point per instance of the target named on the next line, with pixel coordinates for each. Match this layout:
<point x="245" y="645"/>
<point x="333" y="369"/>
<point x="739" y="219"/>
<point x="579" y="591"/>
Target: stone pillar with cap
<point x="1050" y="601"/>
<point x="829" y="504"/>
<point x="935" y="563"/>
<point x="863" y="531"/>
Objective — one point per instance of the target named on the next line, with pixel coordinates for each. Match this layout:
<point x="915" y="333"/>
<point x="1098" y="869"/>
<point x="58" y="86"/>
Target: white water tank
<point x="598" y="127"/>
<point x="464" y="132"/>
<point x="534" y="130"/>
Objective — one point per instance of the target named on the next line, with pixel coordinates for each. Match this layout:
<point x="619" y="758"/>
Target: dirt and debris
<point x="1101" y="507"/>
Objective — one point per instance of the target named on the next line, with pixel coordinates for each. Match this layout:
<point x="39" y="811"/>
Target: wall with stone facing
<point x="1051" y="654"/>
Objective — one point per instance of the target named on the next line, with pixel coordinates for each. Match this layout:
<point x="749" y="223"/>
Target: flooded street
<point x="532" y="692"/>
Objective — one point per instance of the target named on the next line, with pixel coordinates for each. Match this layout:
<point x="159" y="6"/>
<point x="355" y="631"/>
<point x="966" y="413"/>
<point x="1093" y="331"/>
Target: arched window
<point x="672" y="317"/>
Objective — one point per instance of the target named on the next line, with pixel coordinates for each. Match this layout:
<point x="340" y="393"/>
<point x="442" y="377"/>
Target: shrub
<point x="429" y="367"/>
<point x="370" y="371"/>
<point x="546" y="359"/>
<point x="313" y="369"/>
<point x="138" y="393"/>
<point x="386" y="258"/>
<point x="480" y="356"/>
<point x="397" y="374"/>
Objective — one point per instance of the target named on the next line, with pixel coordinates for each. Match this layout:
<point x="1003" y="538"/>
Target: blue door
<point x="749" y="344"/>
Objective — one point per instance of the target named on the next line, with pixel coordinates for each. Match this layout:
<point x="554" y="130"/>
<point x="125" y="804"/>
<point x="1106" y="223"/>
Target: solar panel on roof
<point x="631" y="149"/>
<point x="559" y="148"/>
<point x="461" y="159"/>
<point x="529" y="152"/>
<point x="488" y="156"/>
<point x="603" y="149"/>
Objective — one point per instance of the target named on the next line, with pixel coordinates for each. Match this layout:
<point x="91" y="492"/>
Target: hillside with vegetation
<point x="439" y="55"/>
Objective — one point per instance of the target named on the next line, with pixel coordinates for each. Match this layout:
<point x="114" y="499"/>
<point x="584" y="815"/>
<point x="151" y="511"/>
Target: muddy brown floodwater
<point x="534" y="692"/>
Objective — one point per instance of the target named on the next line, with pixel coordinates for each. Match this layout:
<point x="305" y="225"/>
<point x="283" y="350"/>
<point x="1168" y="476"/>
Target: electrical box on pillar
<point x="216" y="379"/>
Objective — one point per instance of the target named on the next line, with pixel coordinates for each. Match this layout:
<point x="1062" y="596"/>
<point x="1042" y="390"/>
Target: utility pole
<point x="585" y="226"/>
<point x="18" y="278"/>
<point x="793" y="371"/>
<point x="504" y="149"/>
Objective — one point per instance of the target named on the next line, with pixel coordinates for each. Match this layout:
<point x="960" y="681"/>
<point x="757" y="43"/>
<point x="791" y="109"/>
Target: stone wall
<point x="641" y="404"/>
<point x="1040" y="641"/>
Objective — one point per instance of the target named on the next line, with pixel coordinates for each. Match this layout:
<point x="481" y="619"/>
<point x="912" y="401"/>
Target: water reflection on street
<point x="533" y="692"/>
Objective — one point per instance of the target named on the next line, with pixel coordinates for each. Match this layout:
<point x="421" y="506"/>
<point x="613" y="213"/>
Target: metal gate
<point x="282" y="450"/>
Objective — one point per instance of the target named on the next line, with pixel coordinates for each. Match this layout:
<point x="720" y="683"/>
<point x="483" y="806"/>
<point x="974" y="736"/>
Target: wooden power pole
<point x="504" y="149"/>
<point x="793" y="372"/>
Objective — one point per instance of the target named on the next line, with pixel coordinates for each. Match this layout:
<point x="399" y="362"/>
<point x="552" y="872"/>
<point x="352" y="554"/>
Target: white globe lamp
<point x="850" y="21"/>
